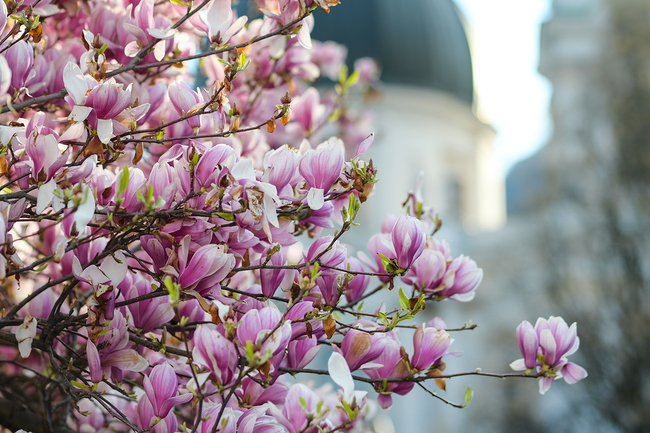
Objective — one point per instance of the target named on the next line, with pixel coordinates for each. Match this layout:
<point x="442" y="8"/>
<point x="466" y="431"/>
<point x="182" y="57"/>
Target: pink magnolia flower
<point x="141" y="23"/>
<point x="301" y="410"/>
<point x="555" y="340"/>
<point x="145" y="417"/>
<point x="301" y="352"/>
<point x="271" y="279"/>
<point x="357" y="287"/>
<point x="254" y="394"/>
<point x="379" y="243"/>
<point x="308" y="111"/>
<point x="333" y="257"/>
<point x="256" y="325"/>
<point x="393" y="365"/>
<point x="297" y="315"/>
<point x="161" y="388"/>
<point x="149" y="313"/>
<point x="114" y="354"/>
<point x="429" y="345"/>
<point x="282" y="163"/>
<point x="221" y="22"/>
<point x="368" y="70"/>
<point x="42" y="147"/>
<point x="227" y="423"/>
<point x="360" y="347"/>
<point x="255" y="420"/>
<point x="465" y="280"/>
<point x="408" y="240"/>
<point x="528" y="343"/>
<point x="185" y="101"/>
<point x="321" y="168"/>
<point x="428" y="271"/>
<point x="214" y="351"/>
<point x="330" y="57"/>
<point x="20" y="58"/>
<point x="208" y="262"/>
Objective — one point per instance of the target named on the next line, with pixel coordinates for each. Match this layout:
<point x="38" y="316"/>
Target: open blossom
<point x="546" y="347"/>
<point x="392" y="362"/>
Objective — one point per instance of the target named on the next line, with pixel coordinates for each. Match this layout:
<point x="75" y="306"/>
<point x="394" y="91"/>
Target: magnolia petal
<point x="365" y="145"/>
<point x="94" y="362"/>
<point x="25" y="335"/>
<point x="45" y="196"/>
<point x="104" y="130"/>
<point x="162" y="33"/>
<point x="304" y="37"/>
<point x="518" y="365"/>
<point x="573" y="373"/>
<point x="243" y="169"/>
<point x="131" y="49"/>
<point x="219" y="17"/>
<point x="340" y="374"/>
<point x="159" y="51"/>
<point x="126" y="359"/>
<point x="385" y="401"/>
<point x="86" y="210"/>
<point x="235" y="28"/>
<point x="545" y="384"/>
<point x="315" y="198"/>
<point x="79" y="113"/>
<point x="74" y="82"/>
<point x="115" y="267"/>
<point x="74" y="132"/>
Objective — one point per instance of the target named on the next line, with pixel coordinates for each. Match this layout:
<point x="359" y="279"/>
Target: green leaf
<point x="468" y="396"/>
<point x="173" y="289"/>
<point x="343" y="73"/>
<point x="122" y="184"/>
<point x="404" y="300"/>
<point x="314" y="272"/>
<point x="226" y="216"/>
<point x="353" y="79"/>
<point x="335" y="115"/>
<point x="80" y="385"/>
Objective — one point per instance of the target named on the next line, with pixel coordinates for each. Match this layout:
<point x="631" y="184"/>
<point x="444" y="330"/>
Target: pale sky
<point x="514" y="97"/>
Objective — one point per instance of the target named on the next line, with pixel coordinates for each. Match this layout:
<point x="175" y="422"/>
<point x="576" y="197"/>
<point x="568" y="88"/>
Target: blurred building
<point x="426" y="118"/>
<point x="577" y="241"/>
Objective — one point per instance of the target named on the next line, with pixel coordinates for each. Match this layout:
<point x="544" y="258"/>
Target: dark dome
<point x="417" y="42"/>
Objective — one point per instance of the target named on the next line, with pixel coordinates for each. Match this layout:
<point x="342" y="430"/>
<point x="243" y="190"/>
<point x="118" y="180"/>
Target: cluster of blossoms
<point x="150" y="269"/>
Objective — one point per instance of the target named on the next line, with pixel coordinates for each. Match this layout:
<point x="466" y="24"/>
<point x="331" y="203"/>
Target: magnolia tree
<point x="151" y="274"/>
